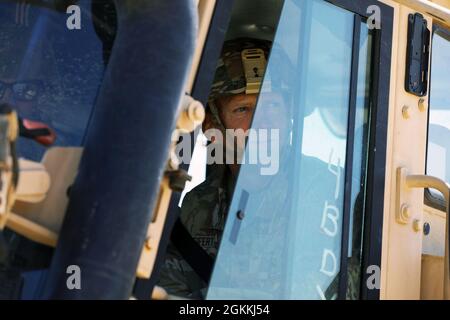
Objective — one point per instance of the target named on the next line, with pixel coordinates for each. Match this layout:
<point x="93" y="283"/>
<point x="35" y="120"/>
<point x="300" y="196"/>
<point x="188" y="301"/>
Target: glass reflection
<point x="48" y="72"/>
<point x="438" y="160"/>
<point x="288" y="245"/>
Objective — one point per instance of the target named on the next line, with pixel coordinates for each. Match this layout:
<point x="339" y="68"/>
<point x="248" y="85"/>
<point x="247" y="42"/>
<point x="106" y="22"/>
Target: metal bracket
<point x="416" y="81"/>
<point x="402" y="211"/>
<point x="192" y="114"/>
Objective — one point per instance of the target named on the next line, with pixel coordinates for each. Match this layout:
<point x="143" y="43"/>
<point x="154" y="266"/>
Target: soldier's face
<point x="236" y="112"/>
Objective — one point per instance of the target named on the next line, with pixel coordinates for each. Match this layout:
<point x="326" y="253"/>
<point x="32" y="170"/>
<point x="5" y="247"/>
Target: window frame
<point x="376" y="162"/>
<point x="435" y="201"/>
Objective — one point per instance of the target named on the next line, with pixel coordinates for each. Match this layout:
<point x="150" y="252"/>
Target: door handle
<point x="406" y="181"/>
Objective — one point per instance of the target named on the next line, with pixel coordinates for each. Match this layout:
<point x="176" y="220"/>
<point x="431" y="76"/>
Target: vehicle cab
<point x="343" y="191"/>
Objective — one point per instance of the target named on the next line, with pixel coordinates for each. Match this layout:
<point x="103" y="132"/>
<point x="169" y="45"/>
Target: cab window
<point x="438" y="155"/>
<point x="50" y="71"/>
<point x="295" y="225"/>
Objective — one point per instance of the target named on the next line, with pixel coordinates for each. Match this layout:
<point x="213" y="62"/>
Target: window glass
<point x="287" y="242"/>
<point x="438" y="158"/>
<point x="49" y="72"/>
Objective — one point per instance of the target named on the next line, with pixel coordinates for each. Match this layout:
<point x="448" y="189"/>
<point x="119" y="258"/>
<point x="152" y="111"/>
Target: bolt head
<point x="406" y="112"/>
<point x="405" y="211"/>
<point x="421" y="105"/>
<point x="240" y="215"/>
<point x="426" y="228"/>
<point x="148" y="243"/>
<point x="196" y="112"/>
<point x="417" y="225"/>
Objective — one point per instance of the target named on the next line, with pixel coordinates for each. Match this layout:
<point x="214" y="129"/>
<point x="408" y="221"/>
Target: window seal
<point x="343" y="274"/>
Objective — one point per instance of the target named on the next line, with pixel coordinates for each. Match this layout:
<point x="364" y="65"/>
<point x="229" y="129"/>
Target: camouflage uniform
<point x="203" y="213"/>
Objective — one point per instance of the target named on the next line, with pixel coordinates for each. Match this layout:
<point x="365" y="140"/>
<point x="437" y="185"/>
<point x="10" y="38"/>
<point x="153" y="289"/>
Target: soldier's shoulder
<point x="203" y="195"/>
<point x="204" y="188"/>
<point x="207" y="190"/>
